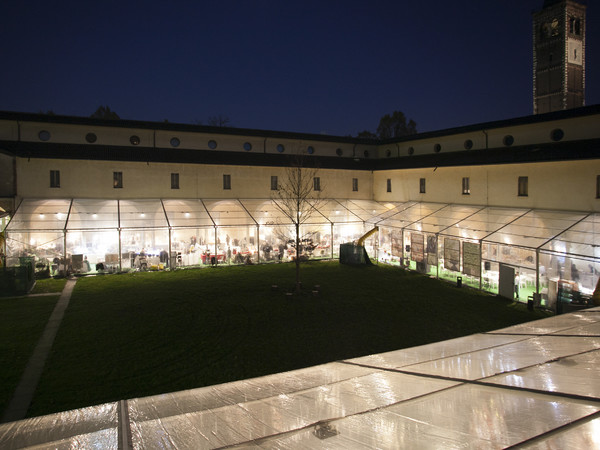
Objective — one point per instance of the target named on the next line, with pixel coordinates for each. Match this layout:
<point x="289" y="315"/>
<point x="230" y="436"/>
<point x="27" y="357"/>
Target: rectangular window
<point x="317" y="183"/>
<point x="466" y="190"/>
<point x="597" y="186"/>
<point x="274" y="183"/>
<point x="174" y="181"/>
<point x="55" y="178"/>
<point x="421" y="185"/>
<point x="523" y="186"/>
<point x="389" y="185"/>
<point x="355" y="184"/>
<point x="226" y="182"/>
<point x="117" y="180"/>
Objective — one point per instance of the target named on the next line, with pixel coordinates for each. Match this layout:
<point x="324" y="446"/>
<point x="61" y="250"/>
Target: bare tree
<point x="219" y="121"/>
<point x="298" y="200"/>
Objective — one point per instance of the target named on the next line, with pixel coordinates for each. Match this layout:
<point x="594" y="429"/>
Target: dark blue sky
<point x="323" y="66"/>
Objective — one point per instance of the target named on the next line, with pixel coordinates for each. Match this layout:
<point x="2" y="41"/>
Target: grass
<point x="142" y="334"/>
<point x="49" y="285"/>
<point x="22" y="321"/>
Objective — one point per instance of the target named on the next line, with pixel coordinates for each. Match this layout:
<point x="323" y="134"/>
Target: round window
<point x="557" y="135"/>
<point x="212" y="144"/>
<point x="280" y="148"/>
<point x="437" y="148"/>
<point x="44" y="135"/>
<point x="468" y="144"/>
<point x="175" y="142"/>
<point x="411" y="150"/>
<point x="508" y="140"/>
<point x="135" y="140"/>
<point x="339" y="152"/>
<point x="91" y="138"/>
<point x="247" y="146"/>
<point x="310" y="150"/>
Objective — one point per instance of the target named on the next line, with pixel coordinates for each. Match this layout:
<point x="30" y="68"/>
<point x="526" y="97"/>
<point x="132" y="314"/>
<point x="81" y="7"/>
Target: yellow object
<point x="364" y="237"/>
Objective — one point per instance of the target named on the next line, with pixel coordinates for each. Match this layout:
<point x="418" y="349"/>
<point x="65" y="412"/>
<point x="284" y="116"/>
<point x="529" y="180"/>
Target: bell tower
<point x="559" y="56"/>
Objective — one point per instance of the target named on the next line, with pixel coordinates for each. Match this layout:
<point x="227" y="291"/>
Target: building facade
<point x="512" y="207"/>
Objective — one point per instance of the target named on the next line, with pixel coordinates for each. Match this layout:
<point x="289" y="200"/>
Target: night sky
<point x="328" y="66"/>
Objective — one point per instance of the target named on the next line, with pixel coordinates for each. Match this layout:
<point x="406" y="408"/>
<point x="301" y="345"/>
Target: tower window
<point x="174" y="181"/>
<point x="523" y="186"/>
<point x="389" y="185"/>
<point x="421" y="185"/>
<point x="354" y="184"/>
<point x="55" y="178"/>
<point x="466" y="190"/>
<point x="274" y="183"/>
<point x="117" y="180"/>
<point x="226" y="182"/>
<point x="317" y="183"/>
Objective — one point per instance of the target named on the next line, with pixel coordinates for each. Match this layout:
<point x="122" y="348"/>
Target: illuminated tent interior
<point x="92" y="235"/>
<point x="510" y="251"/>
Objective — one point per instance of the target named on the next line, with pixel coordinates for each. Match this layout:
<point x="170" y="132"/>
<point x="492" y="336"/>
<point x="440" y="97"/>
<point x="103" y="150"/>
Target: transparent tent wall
<point x="273" y="242"/>
<point x="521" y="260"/>
<point x="317" y="241"/>
<point x="575" y="277"/>
<point x="235" y="245"/>
<point x="143" y="249"/>
<point x="188" y="245"/>
<point x="351" y="232"/>
<point x="91" y="249"/>
<point x="46" y="246"/>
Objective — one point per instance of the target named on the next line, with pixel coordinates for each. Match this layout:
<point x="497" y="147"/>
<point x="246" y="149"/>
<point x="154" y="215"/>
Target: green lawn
<point x="49" y="285"/>
<point x="22" y="321"/>
<point x="141" y="334"/>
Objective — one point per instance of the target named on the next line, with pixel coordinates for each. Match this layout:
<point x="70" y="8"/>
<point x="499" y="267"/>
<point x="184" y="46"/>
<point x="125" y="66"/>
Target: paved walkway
<point x="19" y="404"/>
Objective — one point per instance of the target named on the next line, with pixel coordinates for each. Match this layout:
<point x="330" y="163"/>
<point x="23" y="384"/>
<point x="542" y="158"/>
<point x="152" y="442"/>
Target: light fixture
<point x="41" y="216"/>
<point x="143" y="215"/>
<point x="94" y="215"/>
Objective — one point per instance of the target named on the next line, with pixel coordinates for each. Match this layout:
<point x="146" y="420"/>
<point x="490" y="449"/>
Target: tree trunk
<point x="298" y="285"/>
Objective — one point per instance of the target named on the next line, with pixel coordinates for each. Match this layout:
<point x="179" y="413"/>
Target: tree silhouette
<point x="391" y="126"/>
<point x="104" y="112"/>
<point x="395" y="125"/>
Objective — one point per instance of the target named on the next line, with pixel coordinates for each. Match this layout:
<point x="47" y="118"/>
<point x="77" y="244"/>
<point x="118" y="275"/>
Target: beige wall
<point x="569" y="185"/>
<point x="120" y="136"/>
<point x="535" y="133"/>
<point x="94" y="179"/>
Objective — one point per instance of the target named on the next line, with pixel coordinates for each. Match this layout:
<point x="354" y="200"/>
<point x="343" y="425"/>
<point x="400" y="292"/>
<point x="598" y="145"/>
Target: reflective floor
<point x="535" y="385"/>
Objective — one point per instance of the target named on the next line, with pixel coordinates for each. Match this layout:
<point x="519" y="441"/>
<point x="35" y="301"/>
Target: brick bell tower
<point x="559" y="56"/>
